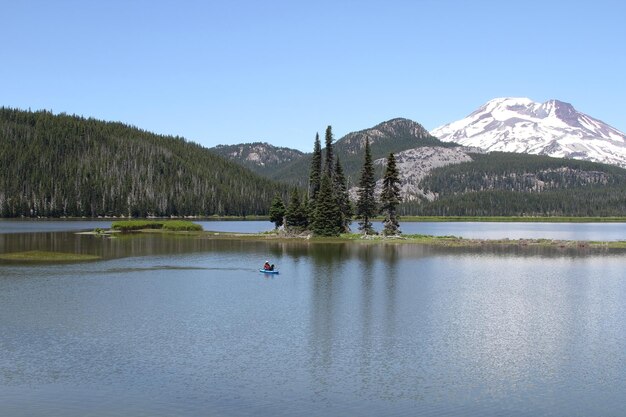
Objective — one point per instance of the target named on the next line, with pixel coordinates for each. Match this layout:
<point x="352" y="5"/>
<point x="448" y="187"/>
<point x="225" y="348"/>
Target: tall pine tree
<point x="316" y="169"/>
<point x="366" y="203"/>
<point x="390" y="198"/>
<point x="340" y="187"/>
<point x="328" y="163"/>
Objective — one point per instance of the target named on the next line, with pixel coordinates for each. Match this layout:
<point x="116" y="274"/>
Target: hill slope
<point x="60" y="165"/>
<point x="260" y="157"/>
<point x="553" y="128"/>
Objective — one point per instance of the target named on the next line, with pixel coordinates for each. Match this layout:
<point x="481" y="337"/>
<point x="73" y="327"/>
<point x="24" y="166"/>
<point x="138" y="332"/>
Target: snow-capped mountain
<point x="553" y="128"/>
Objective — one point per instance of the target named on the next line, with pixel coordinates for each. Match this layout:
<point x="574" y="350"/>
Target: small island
<point x="188" y="228"/>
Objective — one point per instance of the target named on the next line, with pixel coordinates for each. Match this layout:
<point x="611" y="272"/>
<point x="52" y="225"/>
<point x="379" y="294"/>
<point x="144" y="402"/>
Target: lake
<point x="469" y="230"/>
<point x="168" y="326"/>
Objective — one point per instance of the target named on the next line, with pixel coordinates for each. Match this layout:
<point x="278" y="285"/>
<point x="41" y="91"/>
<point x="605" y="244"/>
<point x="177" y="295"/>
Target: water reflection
<point x="354" y="319"/>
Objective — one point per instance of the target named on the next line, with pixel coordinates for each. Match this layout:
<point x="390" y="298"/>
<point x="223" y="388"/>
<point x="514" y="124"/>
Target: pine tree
<point x="277" y="211"/>
<point x="316" y="169"/>
<point x="328" y="163"/>
<point x="340" y="187"/>
<point x="390" y="198"/>
<point x="327" y="219"/>
<point x="295" y="215"/>
<point x="366" y="203"/>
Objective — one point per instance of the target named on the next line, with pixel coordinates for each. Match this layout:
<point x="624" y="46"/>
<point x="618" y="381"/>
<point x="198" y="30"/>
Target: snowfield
<point x="553" y="128"/>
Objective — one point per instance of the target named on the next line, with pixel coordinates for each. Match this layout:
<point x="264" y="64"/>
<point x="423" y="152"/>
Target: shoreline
<point x="429" y="240"/>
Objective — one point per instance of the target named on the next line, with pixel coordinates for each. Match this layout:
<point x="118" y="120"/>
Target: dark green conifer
<point x="316" y="169"/>
<point x="390" y="198"/>
<point x="277" y="211"/>
<point x="340" y="187"/>
<point x="328" y="163"/>
<point x="366" y="203"/>
<point x="327" y="219"/>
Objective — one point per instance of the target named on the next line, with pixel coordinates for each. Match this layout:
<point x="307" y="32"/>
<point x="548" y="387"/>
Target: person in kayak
<point x="268" y="267"/>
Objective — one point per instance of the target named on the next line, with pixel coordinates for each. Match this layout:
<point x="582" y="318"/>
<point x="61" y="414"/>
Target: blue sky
<point x="280" y="71"/>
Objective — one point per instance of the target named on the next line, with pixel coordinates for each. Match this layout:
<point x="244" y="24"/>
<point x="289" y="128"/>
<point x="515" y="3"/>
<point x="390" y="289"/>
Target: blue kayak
<point x="267" y="271"/>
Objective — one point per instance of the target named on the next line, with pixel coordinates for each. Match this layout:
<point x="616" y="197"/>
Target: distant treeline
<point x="62" y="165"/>
<point x="507" y="184"/>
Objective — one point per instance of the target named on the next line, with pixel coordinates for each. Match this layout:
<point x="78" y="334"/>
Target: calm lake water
<point x="167" y="326"/>
<point x="469" y="230"/>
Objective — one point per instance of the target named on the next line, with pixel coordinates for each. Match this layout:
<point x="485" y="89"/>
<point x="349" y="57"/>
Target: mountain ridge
<point x="394" y="135"/>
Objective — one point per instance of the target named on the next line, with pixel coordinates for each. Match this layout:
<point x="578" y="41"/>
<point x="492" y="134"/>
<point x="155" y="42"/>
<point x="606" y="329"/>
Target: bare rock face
<point x="414" y="164"/>
<point x="553" y="128"/>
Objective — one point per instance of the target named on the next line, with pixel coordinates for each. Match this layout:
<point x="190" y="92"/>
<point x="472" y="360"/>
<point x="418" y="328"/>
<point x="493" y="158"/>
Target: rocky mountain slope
<point x="260" y="157"/>
<point x="415" y="164"/>
<point x="553" y="128"/>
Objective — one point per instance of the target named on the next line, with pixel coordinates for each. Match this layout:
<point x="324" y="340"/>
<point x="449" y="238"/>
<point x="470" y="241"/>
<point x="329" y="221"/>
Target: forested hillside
<point x="61" y="165"/>
<point x="503" y="184"/>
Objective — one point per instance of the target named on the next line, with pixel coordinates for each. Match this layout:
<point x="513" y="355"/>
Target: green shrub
<point x="184" y="225"/>
<point x="169" y="225"/>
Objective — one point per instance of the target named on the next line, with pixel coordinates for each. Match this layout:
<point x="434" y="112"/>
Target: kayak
<point x="267" y="271"/>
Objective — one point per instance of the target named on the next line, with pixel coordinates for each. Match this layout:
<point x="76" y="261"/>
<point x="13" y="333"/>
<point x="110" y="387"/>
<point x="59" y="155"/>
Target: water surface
<point x="187" y="327"/>
<point x="45" y="225"/>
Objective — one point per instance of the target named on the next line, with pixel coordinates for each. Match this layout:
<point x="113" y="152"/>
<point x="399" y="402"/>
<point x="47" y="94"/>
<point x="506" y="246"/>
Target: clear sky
<point x="225" y="72"/>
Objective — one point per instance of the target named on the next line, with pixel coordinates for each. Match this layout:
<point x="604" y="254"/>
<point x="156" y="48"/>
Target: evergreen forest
<point x="65" y="165"/>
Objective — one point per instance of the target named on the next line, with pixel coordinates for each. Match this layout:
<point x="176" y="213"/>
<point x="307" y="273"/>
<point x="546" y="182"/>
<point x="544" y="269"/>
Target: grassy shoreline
<point x="430" y="240"/>
<point x="454" y="241"/>
<point x="188" y="228"/>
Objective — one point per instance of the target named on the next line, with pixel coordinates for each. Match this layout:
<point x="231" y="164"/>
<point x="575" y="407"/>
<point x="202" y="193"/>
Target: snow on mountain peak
<point x="554" y="128"/>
